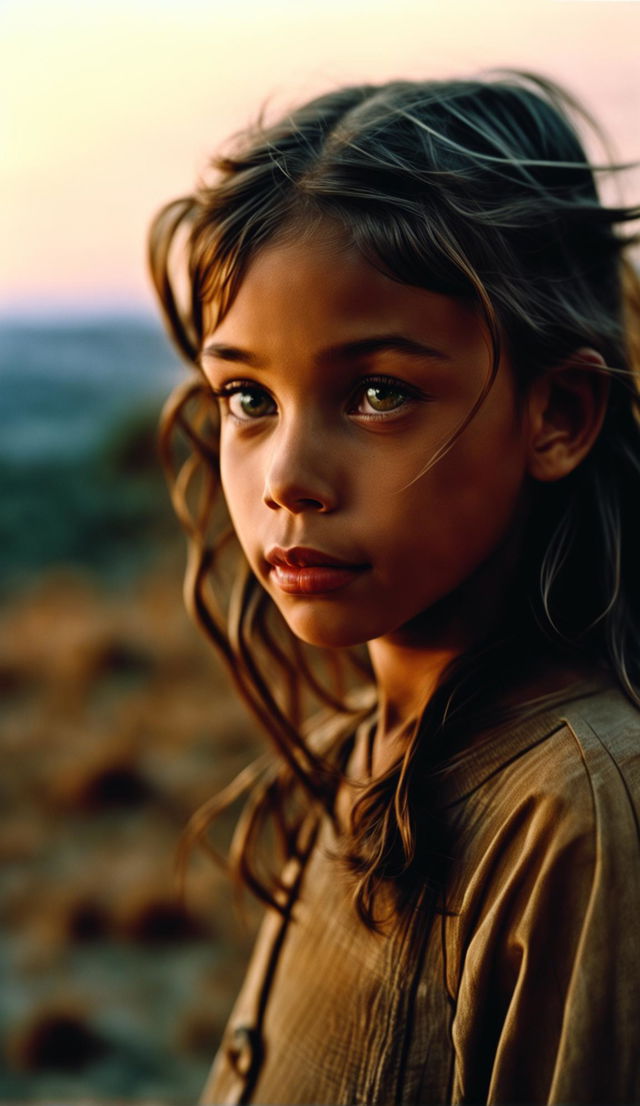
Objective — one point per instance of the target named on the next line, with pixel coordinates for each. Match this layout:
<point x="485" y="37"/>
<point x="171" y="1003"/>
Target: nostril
<point x="295" y="503"/>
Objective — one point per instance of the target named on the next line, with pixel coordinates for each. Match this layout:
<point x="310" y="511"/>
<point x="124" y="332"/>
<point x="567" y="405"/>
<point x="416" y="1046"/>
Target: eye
<point x="247" y="401"/>
<point x="381" y="396"/>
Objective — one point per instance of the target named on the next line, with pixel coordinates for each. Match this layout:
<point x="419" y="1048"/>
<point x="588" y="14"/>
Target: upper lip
<point x="302" y="557"/>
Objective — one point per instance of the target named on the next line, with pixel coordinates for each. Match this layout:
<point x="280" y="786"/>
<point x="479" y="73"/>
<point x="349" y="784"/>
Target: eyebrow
<point x="360" y="347"/>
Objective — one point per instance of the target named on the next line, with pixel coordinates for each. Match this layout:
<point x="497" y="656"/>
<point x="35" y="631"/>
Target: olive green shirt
<point x="526" y="990"/>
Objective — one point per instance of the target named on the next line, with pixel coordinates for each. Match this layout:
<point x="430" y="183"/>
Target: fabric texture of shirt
<point x="526" y="990"/>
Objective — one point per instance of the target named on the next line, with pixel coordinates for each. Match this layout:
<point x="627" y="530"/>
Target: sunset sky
<point x="111" y="108"/>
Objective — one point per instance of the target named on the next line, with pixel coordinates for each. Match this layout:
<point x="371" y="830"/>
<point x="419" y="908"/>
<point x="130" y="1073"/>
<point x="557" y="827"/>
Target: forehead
<point x="319" y="289"/>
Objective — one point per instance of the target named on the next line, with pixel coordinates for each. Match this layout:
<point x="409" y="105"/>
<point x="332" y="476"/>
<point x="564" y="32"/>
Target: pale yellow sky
<point x="111" y="107"/>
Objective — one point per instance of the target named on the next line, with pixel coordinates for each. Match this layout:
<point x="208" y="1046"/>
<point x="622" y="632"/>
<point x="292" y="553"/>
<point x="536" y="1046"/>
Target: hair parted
<point x="478" y="189"/>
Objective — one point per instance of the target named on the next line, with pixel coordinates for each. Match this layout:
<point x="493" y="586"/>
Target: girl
<point x="414" y="334"/>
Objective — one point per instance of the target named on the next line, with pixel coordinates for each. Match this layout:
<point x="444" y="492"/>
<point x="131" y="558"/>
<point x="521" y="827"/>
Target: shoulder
<point x="605" y="732"/>
<point x="541" y="928"/>
<point x="559" y="796"/>
<point x="585" y="771"/>
<point x="578" y="758"/>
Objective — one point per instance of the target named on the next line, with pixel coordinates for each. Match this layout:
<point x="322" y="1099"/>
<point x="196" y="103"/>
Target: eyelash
<point x="236" y="387"/>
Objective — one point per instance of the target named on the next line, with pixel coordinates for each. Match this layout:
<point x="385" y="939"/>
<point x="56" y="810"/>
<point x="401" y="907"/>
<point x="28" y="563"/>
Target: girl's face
<point x="338" y="385"/>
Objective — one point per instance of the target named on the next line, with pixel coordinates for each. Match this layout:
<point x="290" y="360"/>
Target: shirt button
<point x="243" y="1050"/>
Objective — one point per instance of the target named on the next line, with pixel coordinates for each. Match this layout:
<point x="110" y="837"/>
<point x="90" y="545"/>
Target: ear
<point x="566" y="409"/>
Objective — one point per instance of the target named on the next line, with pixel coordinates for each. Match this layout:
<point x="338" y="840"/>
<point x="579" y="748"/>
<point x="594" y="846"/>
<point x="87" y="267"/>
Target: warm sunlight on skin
<point x="338" y="384"/>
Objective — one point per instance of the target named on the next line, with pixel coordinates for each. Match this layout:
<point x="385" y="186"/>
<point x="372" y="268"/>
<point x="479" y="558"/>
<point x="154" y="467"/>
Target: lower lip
<point x="314" y="579"/>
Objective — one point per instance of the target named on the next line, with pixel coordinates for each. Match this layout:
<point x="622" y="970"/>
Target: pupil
<point x="383" y="398"/>
<point x="252" y="403"/>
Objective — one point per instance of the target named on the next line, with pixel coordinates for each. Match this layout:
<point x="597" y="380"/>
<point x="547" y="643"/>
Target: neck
<point x="409" y="663"/>
<point x="406" y="677"/>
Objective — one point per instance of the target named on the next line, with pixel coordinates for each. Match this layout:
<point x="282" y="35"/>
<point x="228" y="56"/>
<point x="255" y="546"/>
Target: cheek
<point x="469" y="502"/>
<point x="238" y="487"/>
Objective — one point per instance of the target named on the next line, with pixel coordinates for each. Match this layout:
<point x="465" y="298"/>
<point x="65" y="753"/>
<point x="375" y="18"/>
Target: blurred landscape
<point x="116" y="723"/>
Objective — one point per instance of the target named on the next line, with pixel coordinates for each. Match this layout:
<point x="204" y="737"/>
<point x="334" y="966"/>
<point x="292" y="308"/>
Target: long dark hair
<point x="478" y="189"/>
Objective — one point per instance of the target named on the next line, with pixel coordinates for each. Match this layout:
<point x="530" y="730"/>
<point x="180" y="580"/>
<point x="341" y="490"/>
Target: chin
<point x="326" y="631"/>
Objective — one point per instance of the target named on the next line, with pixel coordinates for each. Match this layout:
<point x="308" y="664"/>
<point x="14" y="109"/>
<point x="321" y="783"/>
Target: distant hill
<point x="65" y="383"/>
<point x="80" y="482"/>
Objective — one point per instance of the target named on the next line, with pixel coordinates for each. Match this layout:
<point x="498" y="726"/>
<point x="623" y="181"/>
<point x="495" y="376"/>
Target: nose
<point x="301" y="474"/>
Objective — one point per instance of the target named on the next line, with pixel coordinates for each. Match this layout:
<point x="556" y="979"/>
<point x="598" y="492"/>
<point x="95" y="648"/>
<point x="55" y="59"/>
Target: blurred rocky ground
<point x="116" y="723"/>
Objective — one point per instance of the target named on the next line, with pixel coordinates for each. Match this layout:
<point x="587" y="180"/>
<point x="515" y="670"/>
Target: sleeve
<point x="548" y="995"/>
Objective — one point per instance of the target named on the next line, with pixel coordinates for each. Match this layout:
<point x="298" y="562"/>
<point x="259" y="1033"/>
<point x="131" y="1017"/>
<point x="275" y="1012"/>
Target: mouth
<point x="304" y="571"/>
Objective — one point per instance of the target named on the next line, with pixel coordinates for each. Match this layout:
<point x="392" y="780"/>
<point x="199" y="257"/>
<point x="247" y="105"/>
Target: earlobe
<point x="566" y="408"/>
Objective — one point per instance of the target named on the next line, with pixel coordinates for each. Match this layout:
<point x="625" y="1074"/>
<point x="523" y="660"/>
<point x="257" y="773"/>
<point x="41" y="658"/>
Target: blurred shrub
<point x="108" y="510"/>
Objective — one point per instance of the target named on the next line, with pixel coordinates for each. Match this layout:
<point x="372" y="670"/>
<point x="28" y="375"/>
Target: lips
<point x="302" y="557"/>
<point x="304" y="571"/>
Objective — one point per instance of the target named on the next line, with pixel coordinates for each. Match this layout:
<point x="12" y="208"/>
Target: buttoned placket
<point x="242" y="1048"/>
